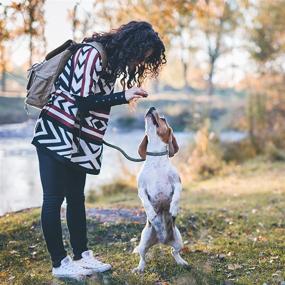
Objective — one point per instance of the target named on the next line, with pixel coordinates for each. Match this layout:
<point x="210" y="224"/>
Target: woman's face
<point x="133" y="64"/>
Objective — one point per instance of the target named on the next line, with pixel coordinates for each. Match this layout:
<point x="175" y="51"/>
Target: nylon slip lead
<point x="123" y="152"/>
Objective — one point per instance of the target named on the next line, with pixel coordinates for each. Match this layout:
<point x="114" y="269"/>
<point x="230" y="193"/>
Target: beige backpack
<point x="42" y="76"/>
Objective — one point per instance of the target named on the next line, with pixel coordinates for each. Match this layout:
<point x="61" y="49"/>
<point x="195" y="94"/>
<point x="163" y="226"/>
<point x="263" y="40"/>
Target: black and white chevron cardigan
<point x="71" y="126"/>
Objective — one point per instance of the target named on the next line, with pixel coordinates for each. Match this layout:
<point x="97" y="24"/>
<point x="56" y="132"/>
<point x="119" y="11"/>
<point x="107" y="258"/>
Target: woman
<point x="68" y="152"/>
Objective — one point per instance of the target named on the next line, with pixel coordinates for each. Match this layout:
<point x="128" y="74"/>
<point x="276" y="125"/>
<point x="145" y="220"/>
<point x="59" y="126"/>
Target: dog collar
<point x="157" y="153"/>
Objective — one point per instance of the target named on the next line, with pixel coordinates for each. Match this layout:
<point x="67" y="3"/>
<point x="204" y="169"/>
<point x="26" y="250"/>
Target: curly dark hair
<point x="128" y="45"/>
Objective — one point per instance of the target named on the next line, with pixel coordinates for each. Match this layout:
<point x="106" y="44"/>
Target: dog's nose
<point x="151" y="109"/>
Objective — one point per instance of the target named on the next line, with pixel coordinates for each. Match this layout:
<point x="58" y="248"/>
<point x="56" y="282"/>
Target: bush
<point x="125" y="184"/>
<point x="117" y="187"/>
<point x="273" y="153"/>
<point x="206" y="157"/>
<point x="238" y="151"/>
<point x="243" y="150"/>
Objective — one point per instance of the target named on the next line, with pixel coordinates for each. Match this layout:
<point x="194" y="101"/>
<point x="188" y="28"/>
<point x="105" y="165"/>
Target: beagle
<point x="159" y="188"/>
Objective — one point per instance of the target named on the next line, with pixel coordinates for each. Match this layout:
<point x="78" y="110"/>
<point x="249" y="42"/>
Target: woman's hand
<point x="135" y="92"/>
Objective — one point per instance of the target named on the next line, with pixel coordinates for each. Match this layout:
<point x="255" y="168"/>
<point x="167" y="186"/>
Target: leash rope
<point x="135" y="159"/>
<point x="123" y="152"/>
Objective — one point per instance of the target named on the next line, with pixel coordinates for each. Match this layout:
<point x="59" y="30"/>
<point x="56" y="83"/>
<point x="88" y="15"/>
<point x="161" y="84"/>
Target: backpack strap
<point x="101" y="50"/>
<point x="59" y="49"/>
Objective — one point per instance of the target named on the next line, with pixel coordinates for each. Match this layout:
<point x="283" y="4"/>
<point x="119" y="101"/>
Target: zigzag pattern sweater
<point x="57" y="129"/>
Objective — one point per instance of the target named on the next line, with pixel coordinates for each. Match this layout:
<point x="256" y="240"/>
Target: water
<point x="20" y="185"/>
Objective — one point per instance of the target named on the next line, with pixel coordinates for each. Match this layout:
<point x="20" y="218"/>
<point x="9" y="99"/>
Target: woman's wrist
<point x="120" y="97"/>
<point x="89" y="103"/>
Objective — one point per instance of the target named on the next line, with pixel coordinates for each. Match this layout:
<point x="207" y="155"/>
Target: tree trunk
<point x="74" y="21"/>
<point x="31" y="49"/>
<point x="252" y="122"/>
<point x="185" y="69"/>
<point x="210" y="87"/>
<point x="31" y="20"/>
<point x="3" y="75"/>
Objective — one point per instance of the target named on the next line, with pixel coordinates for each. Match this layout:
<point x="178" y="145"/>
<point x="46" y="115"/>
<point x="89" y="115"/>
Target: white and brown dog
<point x="159" y="188"/>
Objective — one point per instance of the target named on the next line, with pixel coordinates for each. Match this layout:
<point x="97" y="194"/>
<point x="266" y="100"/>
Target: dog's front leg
<point x="174" y="205"/>
<point x="150" y="212"/>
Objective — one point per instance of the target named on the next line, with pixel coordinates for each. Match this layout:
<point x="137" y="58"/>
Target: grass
<point x="232" y="225"/>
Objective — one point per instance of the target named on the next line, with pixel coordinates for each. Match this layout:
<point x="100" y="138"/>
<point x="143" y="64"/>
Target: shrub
<point x="238" y="151"/>
<point x="273" y="153"/>
<point x="116" y="187"/>
<point x="121" y="184"/>
<point x="206" y="157"/>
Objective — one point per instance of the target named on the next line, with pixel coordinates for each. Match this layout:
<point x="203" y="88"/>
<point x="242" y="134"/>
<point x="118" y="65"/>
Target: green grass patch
<point x="232" y="226"/>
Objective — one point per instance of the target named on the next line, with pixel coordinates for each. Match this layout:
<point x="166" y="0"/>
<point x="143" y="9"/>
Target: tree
<point x="218" y="22"/>
<point x="182" y="31"/>
<point x="9" y="31"/>
<point x="86" y="22"/>
<point x="268" y="36"/>
<point x="170" y="18"/>
<point x="4" y="36"/>
<point x="266" y="93"/>
<point x="33" y="25"/>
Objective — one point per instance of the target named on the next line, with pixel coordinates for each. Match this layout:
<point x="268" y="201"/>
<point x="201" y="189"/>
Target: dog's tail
<point x="169" y="225"/>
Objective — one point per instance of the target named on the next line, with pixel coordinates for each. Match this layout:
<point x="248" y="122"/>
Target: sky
<point x="58" y="27"/>
<point x="231" y="68"/>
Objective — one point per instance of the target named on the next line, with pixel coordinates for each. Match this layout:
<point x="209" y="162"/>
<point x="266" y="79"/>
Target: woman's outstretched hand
<point x="135" y="92"/>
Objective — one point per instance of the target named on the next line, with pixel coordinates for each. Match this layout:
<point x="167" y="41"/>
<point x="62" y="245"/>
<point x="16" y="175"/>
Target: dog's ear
<point x="172" y="144"/>
<point x="142" y="147"/>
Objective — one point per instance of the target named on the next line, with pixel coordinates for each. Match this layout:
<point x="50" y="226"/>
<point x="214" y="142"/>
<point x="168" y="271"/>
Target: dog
<point x="159" y="188"/>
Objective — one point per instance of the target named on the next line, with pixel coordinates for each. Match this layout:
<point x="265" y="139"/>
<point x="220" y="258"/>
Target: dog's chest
<point x="158" y="181"/>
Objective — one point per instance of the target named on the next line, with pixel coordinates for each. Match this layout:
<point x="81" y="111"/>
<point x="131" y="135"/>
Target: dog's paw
<point x="173" y="211"/>
<point x="136" y="249"/>
<point x="138" y="270"/>
<point x="182" y="262"/>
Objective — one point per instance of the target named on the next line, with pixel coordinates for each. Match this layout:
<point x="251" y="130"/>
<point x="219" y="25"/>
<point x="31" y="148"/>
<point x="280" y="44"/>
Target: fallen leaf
<point x="185" y="249"/>
<point x="234" y="266"/>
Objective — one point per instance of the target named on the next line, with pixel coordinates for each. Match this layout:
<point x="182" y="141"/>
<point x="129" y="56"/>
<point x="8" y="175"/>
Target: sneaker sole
<point x="64" y="277"/>
<point x="100" y="269"/>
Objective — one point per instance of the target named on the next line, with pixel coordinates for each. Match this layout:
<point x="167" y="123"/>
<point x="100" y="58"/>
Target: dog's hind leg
<point x="148" y="239"/>
<point x="177" y="245"/>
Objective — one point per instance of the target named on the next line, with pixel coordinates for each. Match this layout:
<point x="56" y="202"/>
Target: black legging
<point x="59" y="181"/>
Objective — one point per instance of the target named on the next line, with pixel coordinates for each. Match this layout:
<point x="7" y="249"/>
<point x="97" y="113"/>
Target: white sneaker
<point x="88" y="261"/>
<point x="69" y="269"/>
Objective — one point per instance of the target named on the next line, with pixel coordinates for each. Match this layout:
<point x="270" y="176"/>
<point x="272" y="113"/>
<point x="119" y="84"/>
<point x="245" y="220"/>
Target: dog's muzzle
<point x="149" y="112"/>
